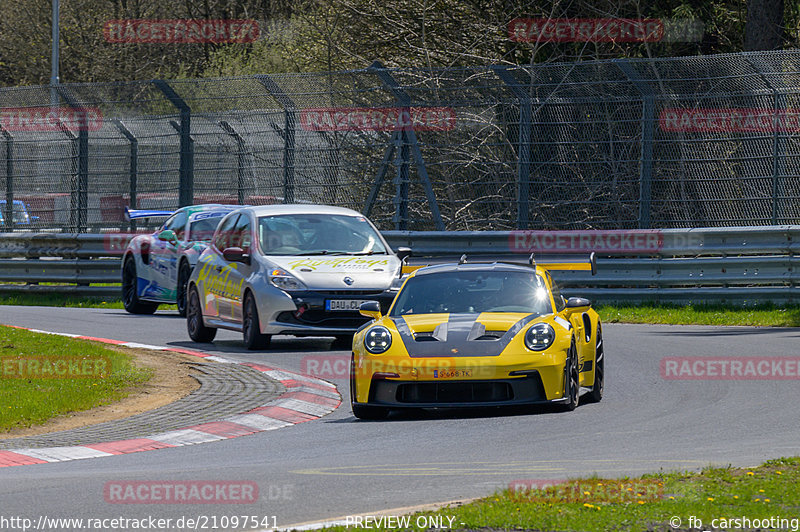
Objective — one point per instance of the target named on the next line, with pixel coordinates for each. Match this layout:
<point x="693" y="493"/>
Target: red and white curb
<point x="306" y="398"/>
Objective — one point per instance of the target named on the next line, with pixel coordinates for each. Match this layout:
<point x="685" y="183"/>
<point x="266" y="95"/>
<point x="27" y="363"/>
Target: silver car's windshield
<point x="317" y="234"/>
<point x="473" y="292"/>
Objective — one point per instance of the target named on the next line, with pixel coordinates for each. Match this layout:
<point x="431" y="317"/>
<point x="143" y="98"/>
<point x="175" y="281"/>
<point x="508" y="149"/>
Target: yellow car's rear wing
<point x="546" y="262"/>
<point x="571" y="265"/>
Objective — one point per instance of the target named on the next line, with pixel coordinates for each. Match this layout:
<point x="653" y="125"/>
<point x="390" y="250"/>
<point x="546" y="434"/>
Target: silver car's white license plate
<point x="344" y="304"/>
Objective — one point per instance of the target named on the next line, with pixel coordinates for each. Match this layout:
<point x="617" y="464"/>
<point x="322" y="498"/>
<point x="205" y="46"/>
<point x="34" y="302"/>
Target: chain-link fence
<point x="679" y="142"/>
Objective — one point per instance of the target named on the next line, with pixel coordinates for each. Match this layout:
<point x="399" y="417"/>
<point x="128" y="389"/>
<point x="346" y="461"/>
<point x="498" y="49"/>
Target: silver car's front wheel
<point x="251" y="326"/>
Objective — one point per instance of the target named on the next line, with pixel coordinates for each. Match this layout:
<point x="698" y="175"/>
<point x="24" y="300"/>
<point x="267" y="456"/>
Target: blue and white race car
<point x="156" y="267"/>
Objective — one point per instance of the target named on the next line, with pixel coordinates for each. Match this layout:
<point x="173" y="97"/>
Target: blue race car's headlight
<point x="377" y="340"/>
<point x="284" y="280"/>
<point x="539" y="337"/>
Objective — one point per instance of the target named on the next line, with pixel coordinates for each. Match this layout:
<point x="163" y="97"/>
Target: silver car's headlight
<point x="539" y="337"/>
<point x="377" y="340"/>
<point x="397" y="283"/>
<point x="284" y="280"/>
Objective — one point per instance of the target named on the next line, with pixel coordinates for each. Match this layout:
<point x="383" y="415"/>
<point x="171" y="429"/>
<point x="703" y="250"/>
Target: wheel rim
<point x="572" y="378"/>
<point x="248" y="319"/>
<point x="129" y="283"/>
<point x="193" y="313"/>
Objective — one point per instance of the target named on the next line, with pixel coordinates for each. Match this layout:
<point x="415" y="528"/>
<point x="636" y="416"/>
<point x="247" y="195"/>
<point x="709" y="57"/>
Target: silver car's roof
<point x="266" y="210"/>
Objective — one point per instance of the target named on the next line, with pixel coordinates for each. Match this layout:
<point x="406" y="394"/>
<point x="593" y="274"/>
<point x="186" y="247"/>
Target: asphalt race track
<point x="337" y="466"/>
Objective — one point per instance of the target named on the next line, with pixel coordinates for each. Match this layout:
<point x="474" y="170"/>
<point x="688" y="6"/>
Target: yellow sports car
<point x="478" y="334"/>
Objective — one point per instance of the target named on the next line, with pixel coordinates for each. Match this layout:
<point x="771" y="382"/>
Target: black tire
<point x="184" y="272"/>
<point x="194" y="320"/>
<point x="363" y="411"/>
<point x="599" y="369"/>
<point x="572" y="386"/>
<point x="343" y="341"/>
<point x="251" y="326"/>
<point x="370" y="412"/>
<point x="130" y="297"/>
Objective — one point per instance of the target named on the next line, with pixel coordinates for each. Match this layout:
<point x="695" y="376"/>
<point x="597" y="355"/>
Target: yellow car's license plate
<point x="452" y="373"/>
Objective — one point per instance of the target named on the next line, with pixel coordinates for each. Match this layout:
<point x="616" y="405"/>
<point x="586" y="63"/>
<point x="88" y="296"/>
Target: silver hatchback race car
<point x="301" y="270"/>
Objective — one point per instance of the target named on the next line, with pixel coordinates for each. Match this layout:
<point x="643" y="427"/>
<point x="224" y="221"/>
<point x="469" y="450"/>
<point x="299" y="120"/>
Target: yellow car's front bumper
<point x="398" y="381"/>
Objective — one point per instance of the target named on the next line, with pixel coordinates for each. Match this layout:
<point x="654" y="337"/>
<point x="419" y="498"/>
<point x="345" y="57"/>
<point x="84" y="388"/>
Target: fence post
<point x="81" y="188"/>
<point x="133" y="165"/>
<point x="400" y="201"/>
<point x="381" y="175"/>
<point x="8" y="215"/>
<point x="239" y="159"/>
<point x="190" y="157"/>
<point x="648" y="126"/>
<point x="186" y="185"/>
<point x="408" y="138"/>
<point x="290" y="112"/>
<point x="524" y="149"/>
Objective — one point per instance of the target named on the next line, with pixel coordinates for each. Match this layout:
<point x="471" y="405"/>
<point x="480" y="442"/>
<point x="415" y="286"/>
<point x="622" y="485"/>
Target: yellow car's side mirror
<point x="370" y="309"/>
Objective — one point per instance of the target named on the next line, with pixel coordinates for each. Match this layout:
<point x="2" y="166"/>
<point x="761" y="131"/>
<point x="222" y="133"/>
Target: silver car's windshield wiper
<point x="363" y="253"/>
<point x="349" y="253"/>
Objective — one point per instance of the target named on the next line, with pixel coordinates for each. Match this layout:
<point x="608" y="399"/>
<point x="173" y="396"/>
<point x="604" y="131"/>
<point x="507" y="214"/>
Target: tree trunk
<point x="764" y="27"/>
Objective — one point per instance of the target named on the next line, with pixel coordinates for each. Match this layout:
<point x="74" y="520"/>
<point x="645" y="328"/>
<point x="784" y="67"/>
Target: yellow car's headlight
<point x="540" y="337"/>
<point x="377" y="340"/>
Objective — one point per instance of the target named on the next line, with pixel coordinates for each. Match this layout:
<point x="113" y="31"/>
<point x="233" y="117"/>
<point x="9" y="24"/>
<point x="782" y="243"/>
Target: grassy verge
<point x="32" y="396"/>
<point x="652" y="502"/>
<point x="768" y="315"/>
<point x="61" y="300"/>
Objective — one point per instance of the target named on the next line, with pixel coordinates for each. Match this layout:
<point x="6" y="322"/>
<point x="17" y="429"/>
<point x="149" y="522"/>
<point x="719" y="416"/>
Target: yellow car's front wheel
<point x="572" y="383"/>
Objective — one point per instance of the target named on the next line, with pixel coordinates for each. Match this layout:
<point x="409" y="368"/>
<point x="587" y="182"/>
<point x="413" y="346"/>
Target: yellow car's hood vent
<point x="448" y="335"/>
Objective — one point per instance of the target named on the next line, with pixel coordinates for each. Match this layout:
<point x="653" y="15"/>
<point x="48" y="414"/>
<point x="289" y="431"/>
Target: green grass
<point x="61" y="300"/>
<point x="30" y="401"/>
<point x="767" y="315"/>
<point x="770" y="490"/>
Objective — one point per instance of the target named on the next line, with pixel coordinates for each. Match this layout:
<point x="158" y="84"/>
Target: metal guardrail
<point x="680" y="265"/>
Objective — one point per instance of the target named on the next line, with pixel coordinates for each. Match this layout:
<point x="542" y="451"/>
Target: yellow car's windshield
<point x="473" y="292"/>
